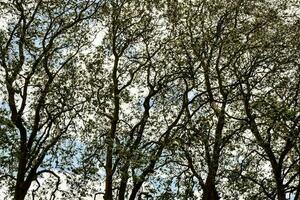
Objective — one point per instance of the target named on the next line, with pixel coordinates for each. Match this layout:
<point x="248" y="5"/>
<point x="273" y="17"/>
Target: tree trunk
<point x="21" y="190"/>
<point x="124" y="180"/>
<point x="135" y="190"/>
<point x="22" y="186"/>
<point x="210" y="191"/>
<point x="122" y="190"/>
<point x="280" y="190"/>
<point x="279" y="182"/>
<point x="109" y="173"/>
<point x="280" y="194"/>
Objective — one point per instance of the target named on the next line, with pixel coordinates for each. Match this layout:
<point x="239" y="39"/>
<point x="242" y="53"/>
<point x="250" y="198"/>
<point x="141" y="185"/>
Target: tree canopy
<point x="128" y="99"/>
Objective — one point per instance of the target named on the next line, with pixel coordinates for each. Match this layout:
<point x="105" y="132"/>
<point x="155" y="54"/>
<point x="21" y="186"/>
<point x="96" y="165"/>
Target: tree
<point x="269" y="88"/>
<point x="38" y="54"/>
<point x="206" y="53"/>
<point x="134" y="76"/>
<point x="270" y="104"/>
<point x="172" y="100"/>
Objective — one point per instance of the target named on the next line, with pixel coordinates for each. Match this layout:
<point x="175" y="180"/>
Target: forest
<point x="150" y="100"/>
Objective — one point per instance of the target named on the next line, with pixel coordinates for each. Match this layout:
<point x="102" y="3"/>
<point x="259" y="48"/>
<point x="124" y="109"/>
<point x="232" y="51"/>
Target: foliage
<point x="130" y="99"/>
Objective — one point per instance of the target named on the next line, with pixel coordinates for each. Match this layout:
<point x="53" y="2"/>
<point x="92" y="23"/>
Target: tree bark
<point x="280" y="188"/>
<point x="210" y="191"/>
<point x="109" y="173"/>
<point x="135" y="190"/>
<point x="124" y="180"/>
<point x="21" y="190"/>
<point x="112" y="134"/>
<point x="280" y="193"/>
